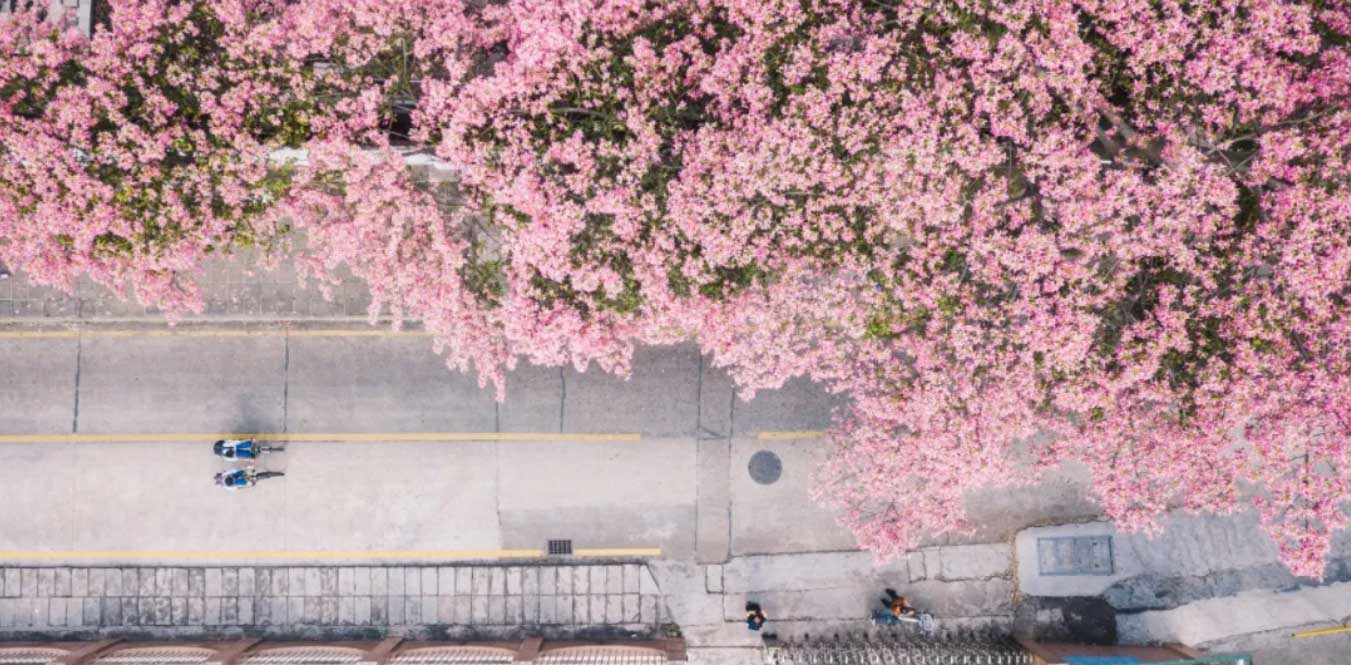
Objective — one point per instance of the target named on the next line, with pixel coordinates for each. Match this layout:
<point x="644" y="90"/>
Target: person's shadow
<point x="251" y="422"/>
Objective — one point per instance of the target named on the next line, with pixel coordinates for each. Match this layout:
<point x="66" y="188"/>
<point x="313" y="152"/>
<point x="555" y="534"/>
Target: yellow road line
<point x="165" y="555"/>
<point x="1324" y="631"/>
<point x="349" y="437"/>
<point x="38" y="334"/>
<point x="213" y="332"/>
<point x="278" y="332"/>
<point x="347" y="555"/>
<point x="801" y="434"/>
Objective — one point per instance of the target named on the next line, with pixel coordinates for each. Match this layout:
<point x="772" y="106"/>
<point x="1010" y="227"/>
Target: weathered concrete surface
<point x="534" y="400"/>
<point x="181" y="384"/>
<point x="1218" y="549"/>
<point x="714" y="508"/>
<point x="975" y="561"/>
<point x="780" y="518"/>
<point x="747" y="655"/>
<point x="1218" y="619"/>
<point x="798" y="405"/>
<point x="351" y="496"/>
<point x="1277" y="647"/>
<point x="716" y="397"/>
<point x="384" y="384"/>
<point x="627" y="494"/>
<point x="37" y="387"/>
<point x="689" y="493"/>
<point x="998" y="514"/>
<point x="801" y="605"/>
<point x="817" y="570"/>
<point x="235" y="288"/>
<point x="417" y="601"/>
<point x="661" y="397"/>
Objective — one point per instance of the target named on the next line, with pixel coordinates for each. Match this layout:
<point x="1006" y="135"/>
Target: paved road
<point x="674" y="480"/>
<point x="323" y="381"/>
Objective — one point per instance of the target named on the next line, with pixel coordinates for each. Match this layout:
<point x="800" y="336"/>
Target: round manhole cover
<point x="765" y="467"/>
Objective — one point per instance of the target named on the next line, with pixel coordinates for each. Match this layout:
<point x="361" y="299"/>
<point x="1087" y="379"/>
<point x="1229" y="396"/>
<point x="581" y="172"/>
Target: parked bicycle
<point x="926" y="622"/>
<point x="898" y="610"/>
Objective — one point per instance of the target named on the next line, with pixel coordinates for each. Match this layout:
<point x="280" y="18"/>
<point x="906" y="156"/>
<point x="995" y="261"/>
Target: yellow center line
<point x="1323" y="631"/>
<point x="39" y="334"/>
<point x="348" y="555"/>
<point x="800" y="434"/>
<point x="340" y="437"/>
<point x="213" y="332"/>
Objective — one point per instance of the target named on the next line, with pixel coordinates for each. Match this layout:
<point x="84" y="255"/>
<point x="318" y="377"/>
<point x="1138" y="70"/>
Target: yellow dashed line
<point x="1323" y="631"/>
<point x="348" y="437"/>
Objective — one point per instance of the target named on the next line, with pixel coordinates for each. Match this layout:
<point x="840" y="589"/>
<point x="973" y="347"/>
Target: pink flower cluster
<point x="1015" y="234"/>
<point x="127" y="157"/>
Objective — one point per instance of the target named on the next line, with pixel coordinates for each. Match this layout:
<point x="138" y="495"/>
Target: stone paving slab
<point x="284" y="599"/>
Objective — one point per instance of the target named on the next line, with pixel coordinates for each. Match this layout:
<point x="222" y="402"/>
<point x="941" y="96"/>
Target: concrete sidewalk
<point x="420" y="602"/>
<point x="969" y="588"/>
<point x="1214" y="582"/>
<point x="235" y="286"/>
<point x="1215" y="620"/>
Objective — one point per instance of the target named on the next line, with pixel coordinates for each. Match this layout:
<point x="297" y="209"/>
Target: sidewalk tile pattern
<point x="35" y="599"/>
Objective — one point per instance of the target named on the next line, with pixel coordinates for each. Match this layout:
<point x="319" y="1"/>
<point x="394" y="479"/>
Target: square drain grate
<point x="560" y="547"/>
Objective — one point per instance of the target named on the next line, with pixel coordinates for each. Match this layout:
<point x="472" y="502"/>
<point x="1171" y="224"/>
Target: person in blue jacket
<point x="242" y="449"/>
<point x="755" y="616"/>
<point x="243" y="478"/>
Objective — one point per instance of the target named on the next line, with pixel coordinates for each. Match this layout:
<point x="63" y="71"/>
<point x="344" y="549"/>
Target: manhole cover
<point x="765" y="467"/>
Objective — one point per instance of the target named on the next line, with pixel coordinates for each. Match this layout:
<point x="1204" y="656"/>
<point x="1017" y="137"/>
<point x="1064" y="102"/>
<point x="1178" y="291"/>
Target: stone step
<point x="298" y="599"/>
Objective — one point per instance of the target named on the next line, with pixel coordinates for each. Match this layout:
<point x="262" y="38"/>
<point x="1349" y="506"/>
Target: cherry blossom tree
<point x="1014" y="234"/>
<point x="128" y="156"/>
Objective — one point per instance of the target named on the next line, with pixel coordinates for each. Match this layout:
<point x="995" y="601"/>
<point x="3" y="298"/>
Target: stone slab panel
<point x="976" y="561"/>
<point x="714" y="513"/>
<point x="781" y="518"/>
<point x="661" y="397"/>
<point x="799" y="405"/>
<point x="37" y="395"/>
<point x="534" y="400"/>
<point x="386" y="384"/>
<point x="178" y="384"/>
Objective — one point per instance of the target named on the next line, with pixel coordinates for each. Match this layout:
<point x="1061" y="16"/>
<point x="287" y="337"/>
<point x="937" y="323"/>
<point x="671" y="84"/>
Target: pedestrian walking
<point x="4" y="272"/>
<point x="755" y="617"/>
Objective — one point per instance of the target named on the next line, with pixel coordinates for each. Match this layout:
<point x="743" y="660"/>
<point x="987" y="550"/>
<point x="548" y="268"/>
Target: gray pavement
<point x="152" y="493"/>
<point x="101" y="380"/>
<point x="257" y="361"/>
<point x="423" y="602"/>
<point x="388" y="496"/>
<point x="682" y="486"/>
